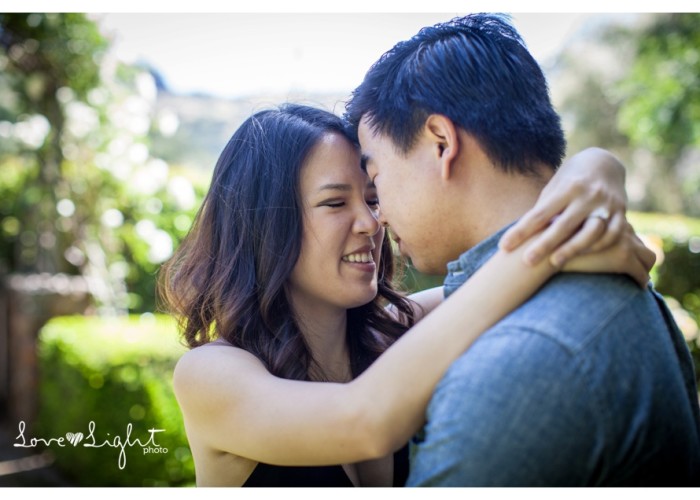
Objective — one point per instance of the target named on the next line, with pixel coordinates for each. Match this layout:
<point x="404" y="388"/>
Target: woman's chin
<point x="361" y="299"/>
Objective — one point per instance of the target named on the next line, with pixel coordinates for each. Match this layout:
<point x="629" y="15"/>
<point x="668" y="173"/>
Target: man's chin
<point x="426" y="268"/>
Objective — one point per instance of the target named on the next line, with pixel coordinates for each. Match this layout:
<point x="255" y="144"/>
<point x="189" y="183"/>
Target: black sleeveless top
<point x="265" y="475"/>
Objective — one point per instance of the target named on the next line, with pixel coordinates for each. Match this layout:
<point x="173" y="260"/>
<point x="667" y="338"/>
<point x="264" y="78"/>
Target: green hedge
<point x="676" y="239"/>
<point x="117" y="373"/>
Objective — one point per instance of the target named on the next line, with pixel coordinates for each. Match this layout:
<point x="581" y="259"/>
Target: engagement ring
<point x="601" y="213"/>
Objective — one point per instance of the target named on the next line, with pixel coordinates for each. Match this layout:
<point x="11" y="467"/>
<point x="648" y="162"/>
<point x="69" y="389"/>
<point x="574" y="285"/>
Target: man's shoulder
<point x="569" y="324"/>
<point x="572" y="309"/>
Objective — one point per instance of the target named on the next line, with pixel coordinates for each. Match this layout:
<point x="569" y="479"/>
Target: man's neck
<point x="499" y="200"/>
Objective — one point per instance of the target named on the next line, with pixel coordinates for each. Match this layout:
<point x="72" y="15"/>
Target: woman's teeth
<point x="358" y="257"/>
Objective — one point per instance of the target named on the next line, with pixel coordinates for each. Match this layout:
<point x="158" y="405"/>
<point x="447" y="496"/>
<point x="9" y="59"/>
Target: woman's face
<point x="342" y="238"/>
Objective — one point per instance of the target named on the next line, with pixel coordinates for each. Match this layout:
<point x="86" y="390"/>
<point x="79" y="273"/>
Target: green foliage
<point x="677" y="271"/>
<point x="52" y="50"/>
<point x="81" y="192"/>
<point x="45" y="59"/>
<point x="677" y="242"/>
<point x="661" y="106"/>
<point x="42" y="55"/>
<point x="414" y="280"/>
<point x="153" y="223"/>
<point x="49" y="63"/>
<point x="636" y="91"/>
<point x="114" y="372"/>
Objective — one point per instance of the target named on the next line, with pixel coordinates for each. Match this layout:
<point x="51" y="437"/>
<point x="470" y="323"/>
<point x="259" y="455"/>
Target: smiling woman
<point x="286" y="267"/>
<point x="288" y="201"/>
<point x="341" y="240"/>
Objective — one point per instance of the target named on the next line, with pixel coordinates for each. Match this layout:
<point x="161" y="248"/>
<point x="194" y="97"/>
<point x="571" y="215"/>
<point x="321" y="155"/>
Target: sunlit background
<point x="235" y="55"/>
<point x="110" y="125"/>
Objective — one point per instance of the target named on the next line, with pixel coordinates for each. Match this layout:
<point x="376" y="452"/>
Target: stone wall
<point x="27" y="302"/>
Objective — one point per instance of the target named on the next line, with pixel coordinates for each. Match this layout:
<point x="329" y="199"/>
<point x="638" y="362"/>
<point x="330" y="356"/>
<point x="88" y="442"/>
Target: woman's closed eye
<point x="372" y="203"/>
<point x="332" y="203"/>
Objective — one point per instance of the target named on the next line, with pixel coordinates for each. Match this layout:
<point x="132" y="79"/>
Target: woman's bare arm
<point x="422" y="302"/>
<point x="231" y="403"/>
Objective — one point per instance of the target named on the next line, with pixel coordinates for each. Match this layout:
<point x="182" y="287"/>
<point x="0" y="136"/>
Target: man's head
<point x="446" y="111"/>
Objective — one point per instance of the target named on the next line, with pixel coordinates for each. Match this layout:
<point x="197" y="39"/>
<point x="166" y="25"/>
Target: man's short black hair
<point x="476" y="71"/>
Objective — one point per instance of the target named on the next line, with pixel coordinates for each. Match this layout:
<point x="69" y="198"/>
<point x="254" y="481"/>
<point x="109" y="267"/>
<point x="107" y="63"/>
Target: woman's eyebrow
<point x="335" y="187"/>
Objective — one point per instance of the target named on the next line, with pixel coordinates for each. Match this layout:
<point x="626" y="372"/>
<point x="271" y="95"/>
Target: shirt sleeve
<point x="514" y="410"/>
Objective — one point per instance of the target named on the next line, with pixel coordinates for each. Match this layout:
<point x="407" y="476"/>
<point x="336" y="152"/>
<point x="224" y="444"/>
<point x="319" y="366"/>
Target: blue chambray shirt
<point x="589" y="382"/>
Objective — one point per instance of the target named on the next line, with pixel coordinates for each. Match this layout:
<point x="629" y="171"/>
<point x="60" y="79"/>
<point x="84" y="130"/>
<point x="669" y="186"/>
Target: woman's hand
<point x="584" y="206"/>
<point x="628" y="256"/>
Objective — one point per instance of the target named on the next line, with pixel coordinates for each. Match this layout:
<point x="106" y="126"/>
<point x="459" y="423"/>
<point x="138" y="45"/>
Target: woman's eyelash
<point x="374" y="202"/>
<point x="333" y="204"/>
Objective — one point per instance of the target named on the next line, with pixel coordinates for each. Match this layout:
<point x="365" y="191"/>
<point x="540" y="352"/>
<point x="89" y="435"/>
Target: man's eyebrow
<point x="336" y="187"/>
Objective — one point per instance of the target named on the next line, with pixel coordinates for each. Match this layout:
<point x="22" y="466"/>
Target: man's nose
<point x="381" y="219"/>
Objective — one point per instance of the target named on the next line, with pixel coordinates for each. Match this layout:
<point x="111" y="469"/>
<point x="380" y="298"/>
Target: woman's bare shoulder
<point x="216" y="352"/>
<point x="204" y="370"/>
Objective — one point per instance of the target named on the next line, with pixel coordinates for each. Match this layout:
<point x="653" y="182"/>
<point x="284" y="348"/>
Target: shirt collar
<point x="460" y="270"/>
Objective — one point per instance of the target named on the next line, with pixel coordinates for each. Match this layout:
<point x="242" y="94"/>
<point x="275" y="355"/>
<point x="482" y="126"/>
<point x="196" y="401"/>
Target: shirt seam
<point x="582" y="372"/>
<point x="505" y="329"/>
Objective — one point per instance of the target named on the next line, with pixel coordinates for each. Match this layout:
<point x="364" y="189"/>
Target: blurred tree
<point x="43" y="54"/>
<point x="81" y="192"/>
<point x="636" y="90"/>
<point x="660" y="108"/>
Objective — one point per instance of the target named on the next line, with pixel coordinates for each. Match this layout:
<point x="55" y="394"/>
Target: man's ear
<point x="442" y="132"/>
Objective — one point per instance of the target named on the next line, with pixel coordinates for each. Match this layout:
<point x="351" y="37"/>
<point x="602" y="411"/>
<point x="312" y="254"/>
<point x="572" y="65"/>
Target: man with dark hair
<point x="588" y="383"/>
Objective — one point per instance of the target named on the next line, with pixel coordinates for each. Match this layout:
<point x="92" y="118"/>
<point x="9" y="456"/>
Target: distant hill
<point x="206" y="123"/>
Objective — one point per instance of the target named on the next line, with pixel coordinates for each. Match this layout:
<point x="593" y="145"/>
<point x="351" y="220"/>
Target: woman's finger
<point x="557" y="233"/>
<point x="591" y="231"/>
<point x="639" y="273"/>
<point x="645" y="254"/>
<point x="615" y="229"/>
<point x="529" y="224"/>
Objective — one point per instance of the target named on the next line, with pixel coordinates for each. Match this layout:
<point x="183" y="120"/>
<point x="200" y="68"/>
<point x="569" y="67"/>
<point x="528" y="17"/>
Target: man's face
<point x="409" y="194"/>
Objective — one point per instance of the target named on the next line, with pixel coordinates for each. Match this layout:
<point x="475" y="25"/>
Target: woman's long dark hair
<point x="227" y="279"/>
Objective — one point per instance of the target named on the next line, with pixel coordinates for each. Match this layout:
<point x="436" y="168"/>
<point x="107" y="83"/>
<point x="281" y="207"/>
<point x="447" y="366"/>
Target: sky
<point x="232" y="49"/>
<point x="237" y="54"/>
